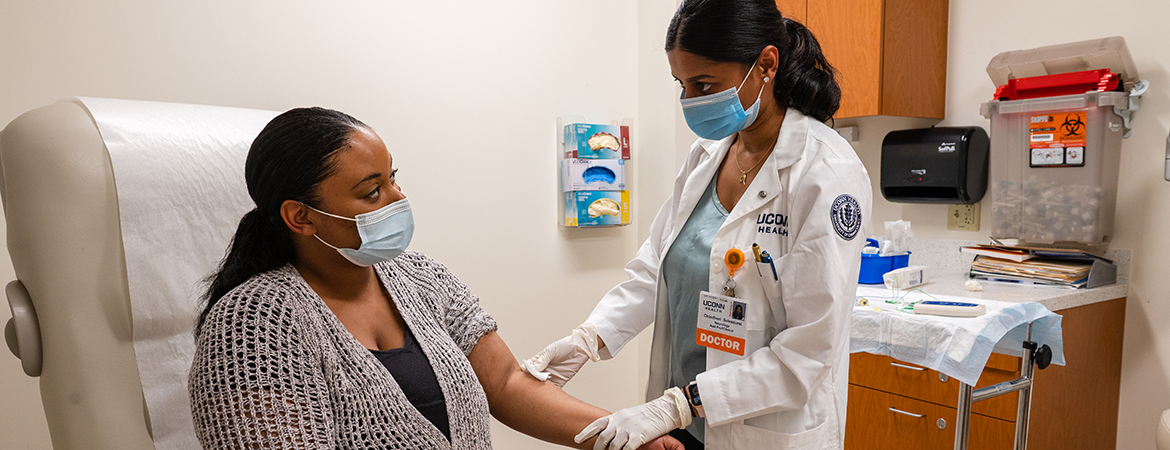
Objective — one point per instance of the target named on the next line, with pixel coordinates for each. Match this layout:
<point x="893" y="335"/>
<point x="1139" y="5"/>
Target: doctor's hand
<point x="631" y="427"/>
<point x="562" y="359"/>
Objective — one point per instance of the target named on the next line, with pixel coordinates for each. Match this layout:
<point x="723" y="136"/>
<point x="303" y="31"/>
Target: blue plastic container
<point x="874" y="266"/>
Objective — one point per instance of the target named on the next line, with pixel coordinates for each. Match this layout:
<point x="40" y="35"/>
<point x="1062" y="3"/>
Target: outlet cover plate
<point x="963" y="217"/>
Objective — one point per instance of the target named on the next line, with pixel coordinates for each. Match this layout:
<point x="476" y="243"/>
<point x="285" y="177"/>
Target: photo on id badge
<point x="737" y="310"/>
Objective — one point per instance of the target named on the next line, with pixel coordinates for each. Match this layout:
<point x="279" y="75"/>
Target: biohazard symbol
<point x="1072" y="125"/>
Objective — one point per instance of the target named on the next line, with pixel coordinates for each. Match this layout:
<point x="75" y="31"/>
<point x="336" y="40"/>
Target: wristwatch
<point x="693" y="398"/>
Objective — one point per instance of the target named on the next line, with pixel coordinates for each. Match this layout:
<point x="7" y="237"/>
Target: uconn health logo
<point x="772" y="224"/>
<point x="846" y="216"/>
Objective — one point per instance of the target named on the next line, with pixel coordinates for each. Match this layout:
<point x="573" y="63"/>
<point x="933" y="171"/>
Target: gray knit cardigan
<point x="274" y="368"/>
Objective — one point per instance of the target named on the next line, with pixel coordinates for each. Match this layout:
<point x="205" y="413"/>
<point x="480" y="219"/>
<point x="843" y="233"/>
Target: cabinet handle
<point x="917" y="416"/>
<point x="919" y="369"/>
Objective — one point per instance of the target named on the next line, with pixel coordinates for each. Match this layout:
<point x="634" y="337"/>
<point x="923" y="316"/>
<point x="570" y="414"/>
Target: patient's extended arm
<point x="533" y="407"/>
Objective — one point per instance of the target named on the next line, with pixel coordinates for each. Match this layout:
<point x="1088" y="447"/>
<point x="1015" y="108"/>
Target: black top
<point x="411" y="369"/>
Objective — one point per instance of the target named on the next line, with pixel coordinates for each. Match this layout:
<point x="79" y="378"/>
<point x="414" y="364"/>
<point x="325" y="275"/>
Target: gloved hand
<point x="562" y="359"/>
<point x="629" y="428"/>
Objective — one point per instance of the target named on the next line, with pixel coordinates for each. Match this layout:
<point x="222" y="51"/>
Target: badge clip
<point x="734" y="260"/>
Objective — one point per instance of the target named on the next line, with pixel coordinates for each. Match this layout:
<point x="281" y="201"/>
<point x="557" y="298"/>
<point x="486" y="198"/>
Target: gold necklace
<point x="743" y="173"/>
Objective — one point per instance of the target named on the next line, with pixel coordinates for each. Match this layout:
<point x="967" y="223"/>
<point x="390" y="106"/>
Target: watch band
<point x="695" y="400"/>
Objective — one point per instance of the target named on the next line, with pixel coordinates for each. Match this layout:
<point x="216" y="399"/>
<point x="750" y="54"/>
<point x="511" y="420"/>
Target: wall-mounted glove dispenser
<point x="935" y="165"/>
<point x="592" y="173"/>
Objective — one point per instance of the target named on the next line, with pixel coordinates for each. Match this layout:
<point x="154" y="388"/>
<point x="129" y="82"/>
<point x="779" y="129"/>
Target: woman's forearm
<point x="538" y="409"/>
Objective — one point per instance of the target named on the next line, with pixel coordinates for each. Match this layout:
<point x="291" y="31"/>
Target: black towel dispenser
<point x="935" y="165"/>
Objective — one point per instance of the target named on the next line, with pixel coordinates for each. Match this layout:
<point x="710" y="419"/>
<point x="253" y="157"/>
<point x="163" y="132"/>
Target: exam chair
<point x="72" y="322"/>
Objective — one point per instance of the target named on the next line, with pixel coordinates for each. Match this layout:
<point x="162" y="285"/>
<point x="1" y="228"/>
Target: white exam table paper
<point x="179" y="175"/>
<point x="958" y="347"/>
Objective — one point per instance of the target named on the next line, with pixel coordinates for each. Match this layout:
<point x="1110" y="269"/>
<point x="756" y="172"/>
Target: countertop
<point x="949" y="268"/>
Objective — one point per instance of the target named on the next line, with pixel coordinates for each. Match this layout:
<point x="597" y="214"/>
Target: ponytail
<point x="290" y="157"/>
<point x="807" y="83"/>
<point x="257" y="247"/>
<point x="738" y="30"/>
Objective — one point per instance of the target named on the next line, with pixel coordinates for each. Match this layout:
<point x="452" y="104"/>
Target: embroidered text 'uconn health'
<point x="772" y="224"/>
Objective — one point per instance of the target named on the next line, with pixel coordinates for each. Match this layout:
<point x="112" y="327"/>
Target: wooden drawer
<point x="873" y="426"/>
<point x="887" y="374"/>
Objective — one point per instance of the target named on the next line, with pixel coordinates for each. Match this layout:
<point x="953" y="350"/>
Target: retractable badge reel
<point x="734" y="260"/>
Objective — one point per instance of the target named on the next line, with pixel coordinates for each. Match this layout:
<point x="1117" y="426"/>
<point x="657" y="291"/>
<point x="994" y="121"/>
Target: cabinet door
<point x="850" y="34"/>
<point x="914" y="55"/>
<point x="913" y="424"/>
<point x="794" y="9"/>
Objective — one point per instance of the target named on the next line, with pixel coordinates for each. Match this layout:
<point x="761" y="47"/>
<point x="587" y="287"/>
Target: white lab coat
<point x="787" y="391"/>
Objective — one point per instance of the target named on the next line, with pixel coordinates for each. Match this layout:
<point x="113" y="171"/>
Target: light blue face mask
<point x="385" y="233"/>
<point x="719" y="115"/>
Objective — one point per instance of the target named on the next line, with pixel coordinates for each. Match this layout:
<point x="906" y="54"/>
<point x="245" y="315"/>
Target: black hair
<point x="290" y="157"/>
<point x="738" y="30"/>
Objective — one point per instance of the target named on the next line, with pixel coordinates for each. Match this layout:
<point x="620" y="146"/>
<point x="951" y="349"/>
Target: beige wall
<point x="465" y="94"/>
<point x="436" y="80"/>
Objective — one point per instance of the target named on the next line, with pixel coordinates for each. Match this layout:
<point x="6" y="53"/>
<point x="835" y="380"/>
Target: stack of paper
<point x="1027" y="265"/>
<point x="1037" y="271"/>
<point x="997" y="252"/>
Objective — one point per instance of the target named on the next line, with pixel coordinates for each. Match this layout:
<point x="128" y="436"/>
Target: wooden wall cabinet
<point x="891" y="54"/>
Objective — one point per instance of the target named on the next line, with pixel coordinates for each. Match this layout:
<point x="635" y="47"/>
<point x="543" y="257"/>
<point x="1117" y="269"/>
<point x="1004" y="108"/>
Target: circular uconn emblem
<point x="846" y="215"/>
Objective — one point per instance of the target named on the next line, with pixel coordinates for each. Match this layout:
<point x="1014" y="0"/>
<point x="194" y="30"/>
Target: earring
<point x="766" y="79"/>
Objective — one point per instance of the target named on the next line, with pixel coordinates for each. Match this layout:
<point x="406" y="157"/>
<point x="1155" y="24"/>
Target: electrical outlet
<point x="963" y="217"/>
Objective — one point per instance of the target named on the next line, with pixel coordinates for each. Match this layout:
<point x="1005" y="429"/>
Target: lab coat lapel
<point x="766" y="186"/>
<point x="697" y="182"/>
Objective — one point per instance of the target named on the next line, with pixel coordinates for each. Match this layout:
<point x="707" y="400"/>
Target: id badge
<point x="722" y="323"/>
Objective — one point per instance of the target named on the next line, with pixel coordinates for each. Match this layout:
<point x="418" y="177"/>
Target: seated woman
<point x="321" y="331"/>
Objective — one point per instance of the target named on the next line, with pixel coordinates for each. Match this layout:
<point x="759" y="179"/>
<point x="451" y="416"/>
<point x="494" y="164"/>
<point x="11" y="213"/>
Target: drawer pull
<point x="919" y="369"/>
<point x="942" y="424"/>
<point x="917" y="416"/>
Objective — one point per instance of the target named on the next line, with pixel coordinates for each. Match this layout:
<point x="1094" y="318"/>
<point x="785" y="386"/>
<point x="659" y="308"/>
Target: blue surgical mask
<point x="719" y="115"/>
<point x="385" y="233"/>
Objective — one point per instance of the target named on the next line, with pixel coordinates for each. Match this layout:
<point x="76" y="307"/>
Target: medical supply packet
<point x="956" y="346"/>
<point x="906" y="277"/>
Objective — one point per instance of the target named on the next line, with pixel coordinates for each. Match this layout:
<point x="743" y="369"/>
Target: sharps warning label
<point x="1057" y="139"/>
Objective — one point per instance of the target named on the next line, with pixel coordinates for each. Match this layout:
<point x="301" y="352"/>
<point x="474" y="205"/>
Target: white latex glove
<point x="629" y="428"/>
<point x="562" y="359"/>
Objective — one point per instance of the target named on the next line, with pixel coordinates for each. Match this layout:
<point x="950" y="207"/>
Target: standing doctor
<point x="766" y="171"/>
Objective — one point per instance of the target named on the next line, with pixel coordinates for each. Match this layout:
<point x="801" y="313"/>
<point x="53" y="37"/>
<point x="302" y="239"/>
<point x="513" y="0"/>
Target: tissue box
<point x="596" y="141"/>
<point x="597" y="208"/>
<point x="593" y="175"/>
<point x="906" y="277"/>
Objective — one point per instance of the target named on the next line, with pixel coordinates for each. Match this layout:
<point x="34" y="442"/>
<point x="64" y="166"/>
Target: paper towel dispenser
<point x="935" y="165"/>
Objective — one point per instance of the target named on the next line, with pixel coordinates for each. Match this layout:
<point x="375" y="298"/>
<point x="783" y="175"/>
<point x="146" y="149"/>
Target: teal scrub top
<point x="686" y="269"/>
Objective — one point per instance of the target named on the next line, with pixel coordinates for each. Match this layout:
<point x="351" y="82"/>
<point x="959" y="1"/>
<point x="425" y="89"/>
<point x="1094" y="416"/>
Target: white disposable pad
<point x="179" y="174"/>
<point x="958" y="347"/>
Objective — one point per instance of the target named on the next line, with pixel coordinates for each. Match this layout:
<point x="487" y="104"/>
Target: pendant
<point x="743" y="178"/>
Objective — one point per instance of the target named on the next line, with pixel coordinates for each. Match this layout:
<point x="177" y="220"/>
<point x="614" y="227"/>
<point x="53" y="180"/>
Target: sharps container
<point x="1056" y="127"/>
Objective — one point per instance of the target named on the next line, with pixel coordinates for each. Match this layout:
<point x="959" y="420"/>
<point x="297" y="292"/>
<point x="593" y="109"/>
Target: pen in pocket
<point x="759" y="258"/>
<point x="764" y="257"/>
